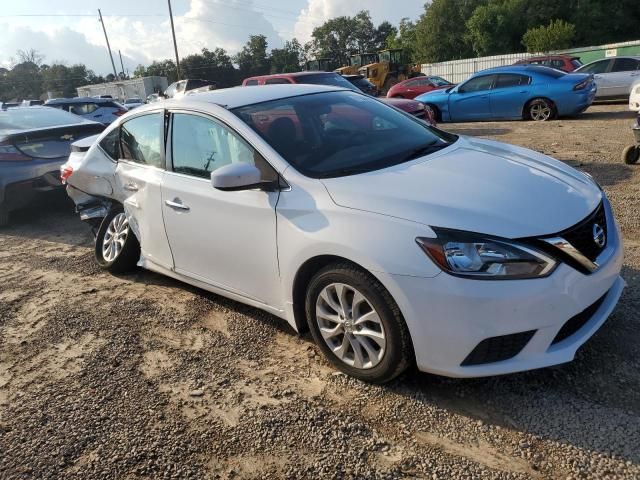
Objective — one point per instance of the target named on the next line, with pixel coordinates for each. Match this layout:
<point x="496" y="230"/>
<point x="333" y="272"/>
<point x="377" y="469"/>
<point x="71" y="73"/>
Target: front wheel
<point x="540" y="110"/>
<point x="631" y="154"/>
<point x="357" y="325"/>
<point x="117" y="248"/>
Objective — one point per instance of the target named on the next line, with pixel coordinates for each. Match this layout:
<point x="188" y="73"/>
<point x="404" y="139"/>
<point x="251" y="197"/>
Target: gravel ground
<point x="141" y="376"/>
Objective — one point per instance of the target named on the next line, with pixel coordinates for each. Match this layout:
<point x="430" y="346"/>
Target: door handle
<point x="131" y="187"/>
<point x="176" y="204"/>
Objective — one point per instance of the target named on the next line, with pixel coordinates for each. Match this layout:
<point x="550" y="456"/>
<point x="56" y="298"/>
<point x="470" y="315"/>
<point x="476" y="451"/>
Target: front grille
<point x="578" y="321"/>
<point x="496" y="349"/>
<point x="581" y="235"/>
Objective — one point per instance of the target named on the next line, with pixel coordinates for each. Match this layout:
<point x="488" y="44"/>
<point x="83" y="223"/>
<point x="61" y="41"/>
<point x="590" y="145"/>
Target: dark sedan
<point x="34" y="142"/>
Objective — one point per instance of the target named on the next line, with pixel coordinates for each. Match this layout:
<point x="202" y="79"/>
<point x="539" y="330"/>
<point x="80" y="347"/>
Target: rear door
<point x="470" y="101"/>
<point x="509" y="94"/>
<point x="623" y="73"/>
<point x="139" y="176"/>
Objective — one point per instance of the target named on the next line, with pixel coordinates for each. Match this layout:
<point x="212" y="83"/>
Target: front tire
<point x="117" y="248"/>
<point x="631" y="154"/>
<point x="357" y="324"/>
<point x="540" y="110"/>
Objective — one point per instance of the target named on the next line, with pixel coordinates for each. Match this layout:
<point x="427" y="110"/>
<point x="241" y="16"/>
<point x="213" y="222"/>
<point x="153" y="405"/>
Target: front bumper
<point x="21" y="181"/>
<point x="448" y="317"/>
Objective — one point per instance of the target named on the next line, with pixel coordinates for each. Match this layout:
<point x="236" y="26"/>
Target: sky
<point x="68" y="31"/>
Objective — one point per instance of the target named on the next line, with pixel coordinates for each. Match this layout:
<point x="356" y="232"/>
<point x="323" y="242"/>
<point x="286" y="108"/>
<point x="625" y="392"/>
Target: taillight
<point x="120" y="112"/>
<point x="9" y="153"/>
<point x="65" y="172"/>
<point x="581" y="85"/>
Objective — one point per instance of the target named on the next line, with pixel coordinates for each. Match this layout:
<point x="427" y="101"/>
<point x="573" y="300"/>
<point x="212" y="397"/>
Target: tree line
<point x="446" y="30"/>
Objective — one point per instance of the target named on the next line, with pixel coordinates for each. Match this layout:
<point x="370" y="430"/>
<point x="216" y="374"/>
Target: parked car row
<point x="393" y="242"/>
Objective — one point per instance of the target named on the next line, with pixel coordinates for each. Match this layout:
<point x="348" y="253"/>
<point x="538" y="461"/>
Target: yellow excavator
<point x="356" y="61"/>
<point x="320" y="65"/>
<point x="393" y="66"/>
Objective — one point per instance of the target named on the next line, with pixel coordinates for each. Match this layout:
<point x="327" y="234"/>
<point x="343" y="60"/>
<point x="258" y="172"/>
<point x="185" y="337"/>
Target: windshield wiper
<point x="424" y="150"/>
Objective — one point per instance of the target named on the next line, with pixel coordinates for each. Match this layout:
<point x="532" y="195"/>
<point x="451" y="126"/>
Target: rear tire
<point x="388" y="83"/>
<point x="355" y="312"/>
<point x="540" y="110"/>
<point x="117" y="248"/>
<point x="433" y="112"/>
<point x="631" y="154"/>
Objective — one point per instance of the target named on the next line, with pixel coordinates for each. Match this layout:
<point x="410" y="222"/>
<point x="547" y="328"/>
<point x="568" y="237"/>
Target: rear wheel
<point x="540" y="110"/>
<point x="357" y="325"/>
<point x="117" y="248"/>
<point x="432" y="112"/>
<point x="388" y="83"/>
<point x="631" y="154"/>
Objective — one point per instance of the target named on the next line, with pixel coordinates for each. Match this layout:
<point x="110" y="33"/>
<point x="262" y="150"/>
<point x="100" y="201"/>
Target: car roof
<point x="531" y="69"/>
<point x="293" y="74"/>
<point x="242" y="96"/>
<point x="633" y="57"/>
<point x="79" y="100"/>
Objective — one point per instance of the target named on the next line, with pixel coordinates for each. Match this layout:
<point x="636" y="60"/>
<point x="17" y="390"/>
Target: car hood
<point x="475" y="185"/>
<point x="403" y="103"/>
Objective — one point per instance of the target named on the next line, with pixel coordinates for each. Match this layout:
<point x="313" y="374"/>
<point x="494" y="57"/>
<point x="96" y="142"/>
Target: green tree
<point x="253" y="59"/>
<point x="212" y="65"/>
<point x="497" y="27"/>
<point x="405" y="38"/>
<point x="384" y="31"/>
<point x="555" y="36"/>
<point x="162" y="68"/>
<point x="441" y="30"/>
<point x="288" y="58"/>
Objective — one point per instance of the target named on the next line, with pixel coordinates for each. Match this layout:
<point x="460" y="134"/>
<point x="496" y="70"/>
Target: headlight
<point x="482" y="257"/>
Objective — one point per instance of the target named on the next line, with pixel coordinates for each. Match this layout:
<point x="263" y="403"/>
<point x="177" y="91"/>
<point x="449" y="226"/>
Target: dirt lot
<point x="141" y="376"/>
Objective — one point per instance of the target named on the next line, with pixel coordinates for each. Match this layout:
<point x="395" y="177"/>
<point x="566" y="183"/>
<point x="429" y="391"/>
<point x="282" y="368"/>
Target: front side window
<point x="141" y="140"/>
<point x="477" y="84"/>
<point x="276" y="81"/>
<point x="200" y="145"/>
<point x="340" y="133"/>
<point x="596" y="67"/>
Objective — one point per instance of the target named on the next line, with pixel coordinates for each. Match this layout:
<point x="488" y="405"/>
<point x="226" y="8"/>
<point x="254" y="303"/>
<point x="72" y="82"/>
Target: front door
<point x="509" y="94"/>
<point x="470" y="101"/>
<point x="227" y="239"/>
<point x="623" y="73"/>
<point x="139" y="175"/>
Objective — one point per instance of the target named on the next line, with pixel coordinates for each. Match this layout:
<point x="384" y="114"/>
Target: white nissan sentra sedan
<point x="392" y="241"/>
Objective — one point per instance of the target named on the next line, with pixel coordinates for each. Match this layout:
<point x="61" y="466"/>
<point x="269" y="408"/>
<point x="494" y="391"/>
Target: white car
<point x="613" y="76"/>
<point x="103" y="110"/>
<point x="392" y="241"/>
<point x="634" y="96"/>
<point x="133" y="102"/>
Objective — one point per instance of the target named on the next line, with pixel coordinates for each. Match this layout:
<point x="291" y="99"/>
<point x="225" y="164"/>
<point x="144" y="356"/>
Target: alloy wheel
<point x="540" y="111"/>
<point x="350" y="326"/>
<point x="115" y="237"/>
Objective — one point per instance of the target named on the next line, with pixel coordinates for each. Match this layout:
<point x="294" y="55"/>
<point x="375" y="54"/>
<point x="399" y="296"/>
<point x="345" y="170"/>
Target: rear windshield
<point x="332" y="79"/>
<point x="133" y="100"/>
<point x="29" y="118"/>
<point x="548" y="71"/>
<point x="334" y="134"/>
<point x="439" y="81"/>
<point x="576" y="63"/>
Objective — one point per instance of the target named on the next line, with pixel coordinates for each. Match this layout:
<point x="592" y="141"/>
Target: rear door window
<point x="141" y="139"/>
<point x="625" y="65"/>
<point x="506" y="80"/>
<point x="597" y="67"/>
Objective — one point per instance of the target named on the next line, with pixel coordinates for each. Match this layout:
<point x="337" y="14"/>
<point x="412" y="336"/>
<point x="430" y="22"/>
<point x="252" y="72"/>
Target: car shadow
<point x="476" y="132"/>
<point x="606" y="174"/>
<point x="606" y="115"/>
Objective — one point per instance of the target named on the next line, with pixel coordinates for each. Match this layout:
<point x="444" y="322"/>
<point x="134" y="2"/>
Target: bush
<point x="555" y="36"/>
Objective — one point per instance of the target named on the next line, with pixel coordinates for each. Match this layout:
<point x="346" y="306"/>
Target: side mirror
<point x="236" y="176"/>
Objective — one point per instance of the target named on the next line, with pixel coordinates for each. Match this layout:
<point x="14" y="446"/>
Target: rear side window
<point x="596" y="67"/>
<point x="276" y="81"/>
<point x="111" y="144"/>
<point x="141" y="139"/>
<point x="511" y="80"/>
<point x="625" y="65"/>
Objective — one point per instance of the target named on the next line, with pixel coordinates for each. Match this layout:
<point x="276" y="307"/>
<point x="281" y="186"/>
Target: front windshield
<point x="335" y="134"/>
<point x="439" y="81"/>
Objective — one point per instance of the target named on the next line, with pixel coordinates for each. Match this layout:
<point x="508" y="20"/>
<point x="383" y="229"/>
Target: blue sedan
<point x="513" y="92"/>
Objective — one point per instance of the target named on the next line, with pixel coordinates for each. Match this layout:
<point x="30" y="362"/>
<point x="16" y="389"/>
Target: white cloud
<point x="318" y="11"/>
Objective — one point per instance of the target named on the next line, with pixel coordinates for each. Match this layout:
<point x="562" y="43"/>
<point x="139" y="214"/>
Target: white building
<point x="123" y="89"/>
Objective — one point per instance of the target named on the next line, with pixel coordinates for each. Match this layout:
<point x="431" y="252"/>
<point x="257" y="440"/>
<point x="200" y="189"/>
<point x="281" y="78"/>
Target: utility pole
<point x="108" y="46"/>
<point x="121" y="64"/>
<point x="175" y="45"/>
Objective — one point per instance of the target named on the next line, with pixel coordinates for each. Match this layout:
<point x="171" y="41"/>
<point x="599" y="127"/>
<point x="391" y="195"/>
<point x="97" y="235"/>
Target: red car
<point x="333" y="79"/>
<point x="413" y="87"/>
<point x="565" y="63"/>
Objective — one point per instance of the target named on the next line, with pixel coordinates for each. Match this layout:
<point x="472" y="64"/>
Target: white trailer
<point x="123" y="89"/>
